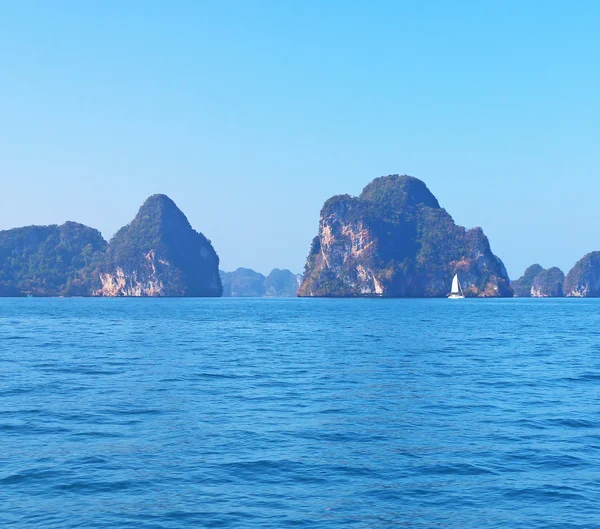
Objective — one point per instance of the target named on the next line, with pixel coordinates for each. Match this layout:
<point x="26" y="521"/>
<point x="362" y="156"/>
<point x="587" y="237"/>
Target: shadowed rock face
<point x="538" y="282"/>
<point x="159" y="254"/>
<point x="395" y="240"/>
<point x="583" y="280"/>
<point x="50" y="260"/>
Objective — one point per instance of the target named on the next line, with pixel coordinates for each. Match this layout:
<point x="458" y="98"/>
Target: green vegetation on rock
<point x="395" y="240"/>
<point x="281" y="284"/>
<point x="522" y="286"/>
<point x="548" y="283"/>
<point x="538" y="282"/>
<point x="245" y="282"/>
<point x="160" y="254"/>
<point x="50" y="260"/>
<point x="583" y="280"/>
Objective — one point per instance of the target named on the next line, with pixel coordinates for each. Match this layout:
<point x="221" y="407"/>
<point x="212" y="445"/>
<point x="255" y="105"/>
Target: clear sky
<point x="250" y="114"/>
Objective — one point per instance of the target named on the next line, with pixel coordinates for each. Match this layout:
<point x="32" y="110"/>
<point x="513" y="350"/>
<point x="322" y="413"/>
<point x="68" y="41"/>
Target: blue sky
<point x="250" y="114"/>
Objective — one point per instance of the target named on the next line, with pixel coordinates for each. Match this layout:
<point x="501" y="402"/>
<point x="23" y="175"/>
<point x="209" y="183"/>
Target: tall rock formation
<point x="50" y="260"/>
<point x="159" y="254"/>
<point x="538" y="282"/>
<point x="583" y="280"/>
<point x="395" y="240"/>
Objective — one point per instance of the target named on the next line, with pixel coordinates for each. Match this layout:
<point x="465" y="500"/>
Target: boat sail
<point x="457" y="291"/>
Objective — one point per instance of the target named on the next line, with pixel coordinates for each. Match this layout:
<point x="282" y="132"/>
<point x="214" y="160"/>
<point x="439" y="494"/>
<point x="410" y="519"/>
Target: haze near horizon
<point x="250" y="115"/>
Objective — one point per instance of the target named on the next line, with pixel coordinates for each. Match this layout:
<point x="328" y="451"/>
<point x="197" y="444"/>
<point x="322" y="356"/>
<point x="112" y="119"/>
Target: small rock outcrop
<point x="159" y="254"/>
<point x="538" y="282"/>
<point x="395" y="240"/>
<point x="583" y="280"/>
<point x="50" y="260"/>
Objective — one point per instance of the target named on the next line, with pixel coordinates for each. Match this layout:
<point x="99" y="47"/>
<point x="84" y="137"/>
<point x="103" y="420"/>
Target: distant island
<point x="393" y="240"/>
<point x="582" y="281"/>
<point x="245" y="282"/>
<point x="537" y="282"/>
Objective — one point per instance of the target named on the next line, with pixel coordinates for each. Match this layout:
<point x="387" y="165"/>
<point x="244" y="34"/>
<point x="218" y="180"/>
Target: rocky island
<point x="282" y="283"/>
<point x="583" y="280"/>
<point x="50" y="260"/>
<point x="395" y="240"/>
<point x="538" y="282"/>
<point x="157" y="254"/>
<point x="245" y="282"/>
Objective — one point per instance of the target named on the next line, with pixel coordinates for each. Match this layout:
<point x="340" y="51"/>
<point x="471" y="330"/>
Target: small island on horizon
<point x="394" y="240"/>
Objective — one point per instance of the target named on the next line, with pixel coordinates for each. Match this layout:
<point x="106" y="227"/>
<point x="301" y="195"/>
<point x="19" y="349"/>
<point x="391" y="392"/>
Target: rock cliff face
<point x="159" y="254"/>
<point x="395" y="240"/>
<point x="583" y="280"/>
<point x="538" y="282"/>
<point x="50" y="260"/>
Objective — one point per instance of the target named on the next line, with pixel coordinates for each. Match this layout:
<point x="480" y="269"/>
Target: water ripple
<point x="299" y="413"/>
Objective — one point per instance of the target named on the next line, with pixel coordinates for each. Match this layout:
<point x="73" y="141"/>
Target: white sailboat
<point x="457" y="291"/>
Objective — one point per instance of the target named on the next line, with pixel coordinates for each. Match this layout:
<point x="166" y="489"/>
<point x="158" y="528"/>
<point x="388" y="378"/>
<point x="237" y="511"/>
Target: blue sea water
<point x="364" y="413"/>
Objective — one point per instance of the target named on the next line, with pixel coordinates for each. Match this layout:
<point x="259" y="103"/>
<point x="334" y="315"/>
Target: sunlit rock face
<point x="395" y="240"/>
<point x="159" y="254"/>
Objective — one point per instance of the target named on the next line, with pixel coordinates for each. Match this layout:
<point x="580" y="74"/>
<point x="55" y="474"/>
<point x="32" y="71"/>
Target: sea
<point x="316" y="413"/>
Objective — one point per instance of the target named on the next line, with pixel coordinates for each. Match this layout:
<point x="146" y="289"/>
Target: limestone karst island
<point x="393" y="240"/>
